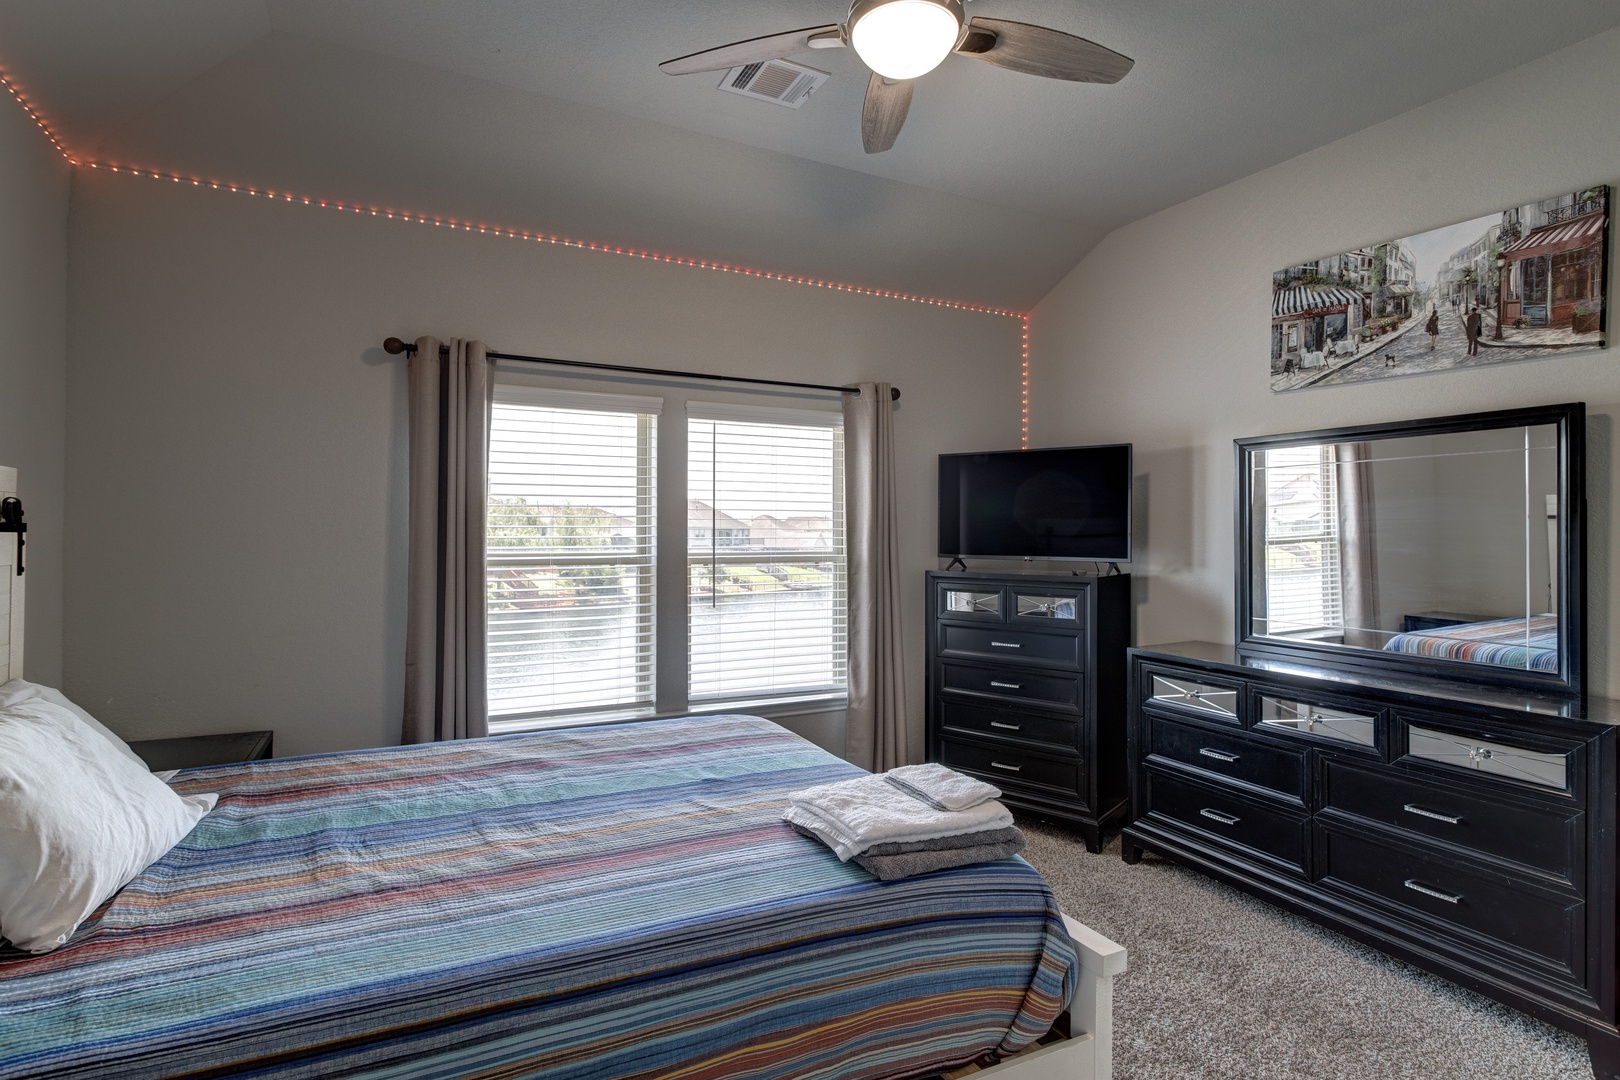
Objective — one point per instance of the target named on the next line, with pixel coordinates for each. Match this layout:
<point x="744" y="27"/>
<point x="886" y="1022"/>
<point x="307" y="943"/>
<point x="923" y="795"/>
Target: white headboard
<point x="11" y="593"/>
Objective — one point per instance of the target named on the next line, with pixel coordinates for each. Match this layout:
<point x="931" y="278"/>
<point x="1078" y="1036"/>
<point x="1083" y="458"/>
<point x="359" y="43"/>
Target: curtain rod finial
<point x="395" y="346"/>
<point x="894" y="393"/>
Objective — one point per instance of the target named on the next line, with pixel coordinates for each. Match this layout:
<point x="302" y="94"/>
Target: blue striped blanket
<point x="615" y="902"/>
<point x="1518" y="642"/>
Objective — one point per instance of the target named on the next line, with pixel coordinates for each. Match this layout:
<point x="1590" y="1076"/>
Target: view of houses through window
<point x="765" y="548"/>
<point x="573" y="553"/>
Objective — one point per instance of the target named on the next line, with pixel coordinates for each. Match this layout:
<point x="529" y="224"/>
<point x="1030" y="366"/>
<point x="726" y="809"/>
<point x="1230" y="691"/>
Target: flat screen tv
<point x="1068" y="503"/>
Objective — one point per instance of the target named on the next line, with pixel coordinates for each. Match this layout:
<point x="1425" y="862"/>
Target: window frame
<point x="699" y="410"/>
<point x="669" y="616"/>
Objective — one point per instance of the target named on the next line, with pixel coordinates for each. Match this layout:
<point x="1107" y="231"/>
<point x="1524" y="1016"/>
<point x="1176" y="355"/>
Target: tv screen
<point x="1068" y="503"/>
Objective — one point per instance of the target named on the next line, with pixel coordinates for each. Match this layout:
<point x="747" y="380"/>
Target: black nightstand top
<point x="196" y="751"/>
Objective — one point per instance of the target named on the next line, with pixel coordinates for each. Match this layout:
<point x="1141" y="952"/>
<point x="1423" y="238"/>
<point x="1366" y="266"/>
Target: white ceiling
<point x="552" y="115"/>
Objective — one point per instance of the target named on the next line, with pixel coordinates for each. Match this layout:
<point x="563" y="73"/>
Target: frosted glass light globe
<point x="902" y="39"/>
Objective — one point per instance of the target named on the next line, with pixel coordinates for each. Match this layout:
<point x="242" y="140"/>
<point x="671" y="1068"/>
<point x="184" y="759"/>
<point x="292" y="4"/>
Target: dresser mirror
<point x="1451" y="546"/>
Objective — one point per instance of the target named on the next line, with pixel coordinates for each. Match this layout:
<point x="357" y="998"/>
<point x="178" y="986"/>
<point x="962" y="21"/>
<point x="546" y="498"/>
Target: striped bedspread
<point x="616" y="902"/>
<point x="1519" y="643"/>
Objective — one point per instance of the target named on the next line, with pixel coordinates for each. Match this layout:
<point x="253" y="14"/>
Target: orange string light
<point x="1023" y="420"/>
<point x="545" y="238"/>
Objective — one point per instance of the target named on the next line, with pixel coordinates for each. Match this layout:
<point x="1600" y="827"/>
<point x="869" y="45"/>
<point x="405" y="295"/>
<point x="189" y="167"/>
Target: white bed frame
<point x="1087" y="1053"/>
<point x="11" y="593"/>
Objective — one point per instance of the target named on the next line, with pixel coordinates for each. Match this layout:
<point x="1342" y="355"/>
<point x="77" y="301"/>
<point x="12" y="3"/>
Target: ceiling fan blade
<point x="887" y="102"/>
<point x="756" y="50"/>
<point x="1038" y="50"/>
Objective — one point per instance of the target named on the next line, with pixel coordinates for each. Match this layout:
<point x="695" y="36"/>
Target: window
<point x="571" y="559"/>
<point x="765" y="552"/>
<point x="1303" y="592"/>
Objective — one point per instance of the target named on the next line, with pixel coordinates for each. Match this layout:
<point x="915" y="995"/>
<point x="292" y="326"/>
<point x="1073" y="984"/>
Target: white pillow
<point x="17" y="691"/>
<point x="78" y="821"/>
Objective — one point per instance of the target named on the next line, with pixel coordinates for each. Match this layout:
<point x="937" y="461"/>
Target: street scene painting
<point x="1527" y="282"/>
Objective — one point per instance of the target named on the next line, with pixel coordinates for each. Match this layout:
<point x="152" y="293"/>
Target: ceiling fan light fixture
<point x="902" y="39"/>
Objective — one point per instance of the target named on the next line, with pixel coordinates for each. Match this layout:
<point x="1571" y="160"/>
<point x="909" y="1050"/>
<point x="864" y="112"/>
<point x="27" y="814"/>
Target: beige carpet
<point x="1224" y="987"/>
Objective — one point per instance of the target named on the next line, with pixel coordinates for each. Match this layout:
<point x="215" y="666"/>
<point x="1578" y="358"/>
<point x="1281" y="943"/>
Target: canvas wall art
<point x="1524" y="283"/>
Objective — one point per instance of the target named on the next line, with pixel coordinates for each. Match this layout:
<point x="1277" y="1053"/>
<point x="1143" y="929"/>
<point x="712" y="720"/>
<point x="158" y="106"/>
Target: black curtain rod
<point x="397" y="346"/>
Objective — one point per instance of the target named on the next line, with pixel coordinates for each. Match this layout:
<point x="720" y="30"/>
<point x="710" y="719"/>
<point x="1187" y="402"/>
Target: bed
<point x="1521" y="643"/>
<point x="618" y="901"/>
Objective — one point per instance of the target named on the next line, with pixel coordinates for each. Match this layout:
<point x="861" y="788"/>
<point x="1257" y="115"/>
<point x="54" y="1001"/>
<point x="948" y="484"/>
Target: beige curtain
<point x="450" y="401"/>
<point x="875" y="731"/>
<point x="1358" y="565"/>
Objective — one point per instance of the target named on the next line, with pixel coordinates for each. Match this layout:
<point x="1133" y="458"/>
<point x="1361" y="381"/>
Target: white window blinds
<point x="1303" y="589"/>
<point x="571" y="563"/>
<point x="765" y="552"/>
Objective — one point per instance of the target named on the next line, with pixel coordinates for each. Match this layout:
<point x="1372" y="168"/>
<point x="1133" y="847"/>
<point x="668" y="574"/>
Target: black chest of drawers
<point x="1466" y="831"/>
<point x="1026" y="689"/>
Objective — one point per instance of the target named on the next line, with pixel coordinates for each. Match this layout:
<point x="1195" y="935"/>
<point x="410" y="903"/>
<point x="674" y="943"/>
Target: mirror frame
<point x="1568" y="681"/>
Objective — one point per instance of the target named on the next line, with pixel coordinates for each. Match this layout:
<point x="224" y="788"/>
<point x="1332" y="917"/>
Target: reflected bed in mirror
<point x="1450" y="545"/>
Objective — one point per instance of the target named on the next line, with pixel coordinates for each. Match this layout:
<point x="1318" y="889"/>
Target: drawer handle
<point x="1006" y="644"/>
<point x="1007" y="727"/>
<point x="1433" y="815"/>
<point x="1216" y="815"/>
<point x="1218" y="755"/>
<point x="1006" y="685"/>
<point x="1009" y="768"/>
<point x="1418" y="886"/>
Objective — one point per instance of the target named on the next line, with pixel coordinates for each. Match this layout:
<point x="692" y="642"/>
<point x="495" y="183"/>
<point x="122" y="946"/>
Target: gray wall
<point x="33" y="367"/>
<point x="1161" y="335"/>
<point x="236" y="543"/>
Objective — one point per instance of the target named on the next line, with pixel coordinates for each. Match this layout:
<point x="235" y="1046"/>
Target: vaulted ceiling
<point x="553" y="116"/>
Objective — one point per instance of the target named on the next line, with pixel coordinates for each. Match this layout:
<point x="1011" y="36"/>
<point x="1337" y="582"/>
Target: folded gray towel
<point x="895" y="867"/>
<point x="982" y="838"/>
<point x="1009" y="835"/>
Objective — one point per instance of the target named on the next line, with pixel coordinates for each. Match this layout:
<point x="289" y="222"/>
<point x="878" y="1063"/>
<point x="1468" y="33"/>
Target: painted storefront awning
<point x="1552" y="239"/>
<point x="1312" y="300"/>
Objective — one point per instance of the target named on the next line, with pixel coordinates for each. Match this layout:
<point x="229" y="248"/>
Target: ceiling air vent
<point x="779" y="81"/>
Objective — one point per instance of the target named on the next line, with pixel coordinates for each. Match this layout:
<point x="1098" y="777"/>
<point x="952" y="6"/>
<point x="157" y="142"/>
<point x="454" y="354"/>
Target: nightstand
<point x="196" y="751"/>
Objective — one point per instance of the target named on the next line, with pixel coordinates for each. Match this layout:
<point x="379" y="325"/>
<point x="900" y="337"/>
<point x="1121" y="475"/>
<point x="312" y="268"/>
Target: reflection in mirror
<point x="1439" y="545"/>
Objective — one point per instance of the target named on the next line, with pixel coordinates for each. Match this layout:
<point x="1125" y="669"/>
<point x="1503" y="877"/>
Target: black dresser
<point x="1026" y="689"/>
<point x="1469" y="831"/>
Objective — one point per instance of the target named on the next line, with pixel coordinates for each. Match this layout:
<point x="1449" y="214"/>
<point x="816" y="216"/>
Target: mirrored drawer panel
<point x="1303" y="718"/>
<point x="972" y="602"/>
<point x="1514" y="762"/>
<point x="1056" y="608"/>
<point x="1210" y="698"/>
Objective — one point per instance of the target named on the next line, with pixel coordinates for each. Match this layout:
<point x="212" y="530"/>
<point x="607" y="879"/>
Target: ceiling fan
<point x="903" y="39"/>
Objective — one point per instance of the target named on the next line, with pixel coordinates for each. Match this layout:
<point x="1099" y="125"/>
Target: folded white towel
<point x="852" y="815"/>
<point x="941" y="788"/>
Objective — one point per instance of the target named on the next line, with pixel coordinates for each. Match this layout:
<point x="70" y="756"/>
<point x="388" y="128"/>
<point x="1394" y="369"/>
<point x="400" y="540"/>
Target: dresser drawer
<point x="1229" y="754"/>
<point x="1013" y="684"/>
<point x="1234" y="819"/>
<point x="1196" y="693"/>
<point x="1011" y="646"/>
<point x="1013" y="769"/>
<point x="1547" y="770"/>
<point x="1537" y="927"/>
<point x="1545" y="840"/>
<point x="1000" y="723"/>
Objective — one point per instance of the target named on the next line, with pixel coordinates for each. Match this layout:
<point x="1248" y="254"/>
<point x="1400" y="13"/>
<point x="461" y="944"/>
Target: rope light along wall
<point x="343" y="206"/>
<point x="1023" y="386"/>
